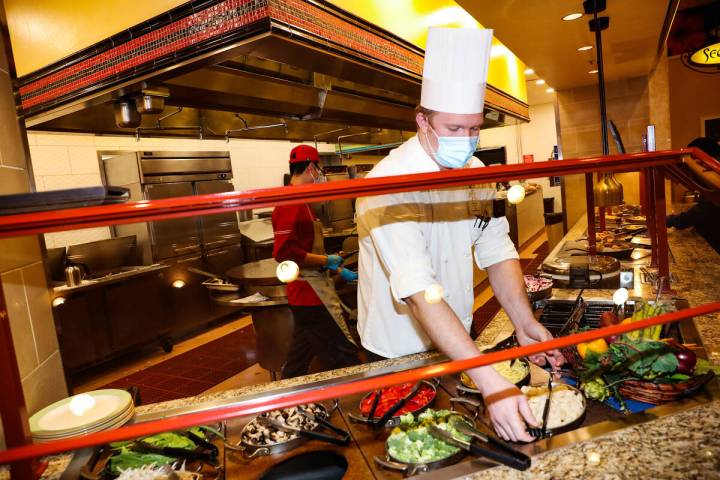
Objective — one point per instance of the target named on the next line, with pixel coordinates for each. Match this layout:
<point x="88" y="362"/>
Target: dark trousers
<point x="317" y="335"/>
<point x="372" y="356"/>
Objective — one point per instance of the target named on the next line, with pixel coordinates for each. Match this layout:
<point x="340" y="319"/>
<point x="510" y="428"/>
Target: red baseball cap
<point x="304" y="153"/>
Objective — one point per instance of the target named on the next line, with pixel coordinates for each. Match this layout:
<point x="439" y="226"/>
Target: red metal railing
<point x="339" y="390"/>
<point x="655" y="164"/>
<point x="75" y="218"/>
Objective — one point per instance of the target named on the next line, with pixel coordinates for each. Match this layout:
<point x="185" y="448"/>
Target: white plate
<point x="58" y="419"/>
<point x="111" y="425"/>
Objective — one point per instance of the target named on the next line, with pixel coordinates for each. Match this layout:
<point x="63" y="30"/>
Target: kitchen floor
<point x="252" y="375"/>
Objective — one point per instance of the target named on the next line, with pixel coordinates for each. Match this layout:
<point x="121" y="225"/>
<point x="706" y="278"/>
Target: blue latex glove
<point x="348" y="275"/>
<point x="333" y="262"/>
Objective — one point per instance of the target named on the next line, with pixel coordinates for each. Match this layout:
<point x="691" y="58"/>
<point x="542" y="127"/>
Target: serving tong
<point x="342" y="438"/>
<point x="503" y="453"/>
<point x="543" y="432"/>
<point x="387" y="419"/>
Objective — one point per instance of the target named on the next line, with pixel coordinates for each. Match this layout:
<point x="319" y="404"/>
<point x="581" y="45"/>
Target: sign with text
<point x="706" y="56"/>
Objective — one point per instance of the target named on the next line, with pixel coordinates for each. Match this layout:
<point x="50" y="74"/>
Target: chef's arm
<point x="503" y="400"/>
<point x="508" y="284"/>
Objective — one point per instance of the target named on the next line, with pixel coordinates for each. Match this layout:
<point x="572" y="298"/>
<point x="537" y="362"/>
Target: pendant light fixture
<point x="608" y="191"/>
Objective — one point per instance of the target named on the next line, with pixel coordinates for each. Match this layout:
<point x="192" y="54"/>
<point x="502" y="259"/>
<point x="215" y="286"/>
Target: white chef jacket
<point x="410" y="241"/>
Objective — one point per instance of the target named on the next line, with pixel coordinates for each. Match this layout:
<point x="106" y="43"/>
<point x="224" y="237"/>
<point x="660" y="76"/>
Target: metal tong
<point x="542" y="432"/>
<point x="342" y="439"/>
<point x="510" y="457"/>
<point x="575" y="317"/>
<point x="385" y="419"/>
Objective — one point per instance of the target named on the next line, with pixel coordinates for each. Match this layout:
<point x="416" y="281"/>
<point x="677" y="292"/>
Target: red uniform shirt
<point x="294" y="233"/>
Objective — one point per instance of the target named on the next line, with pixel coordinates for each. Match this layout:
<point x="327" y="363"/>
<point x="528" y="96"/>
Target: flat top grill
<point x="555" y="314"/>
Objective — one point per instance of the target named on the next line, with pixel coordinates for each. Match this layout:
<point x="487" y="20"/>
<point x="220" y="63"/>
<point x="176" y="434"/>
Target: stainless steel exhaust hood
<point x="304" y="63"/>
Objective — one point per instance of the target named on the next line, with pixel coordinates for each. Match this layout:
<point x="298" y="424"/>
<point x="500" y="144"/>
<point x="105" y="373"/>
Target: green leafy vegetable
<point x="129" y="459"/>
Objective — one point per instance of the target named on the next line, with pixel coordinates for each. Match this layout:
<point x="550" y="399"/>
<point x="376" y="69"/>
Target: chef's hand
<point x="348" y="275"/>
<point x="333" y="262"/>
<point x="506" y="406"/>
<point x="534" y="332"/>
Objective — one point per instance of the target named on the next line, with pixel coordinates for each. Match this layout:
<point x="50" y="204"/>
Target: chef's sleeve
<point x="493" y="245"/>
<point x="285" y="230"/>
<point x="394" y="224"/>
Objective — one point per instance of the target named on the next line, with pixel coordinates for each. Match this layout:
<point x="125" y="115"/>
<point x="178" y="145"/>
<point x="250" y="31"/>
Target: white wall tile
<point x="50" y="160"/>
<point x="54" y="139"/>
<point x="56" y="182"/>
<point x="75" y="237"/>
<point x="115" y="141"/>
<point x="84" y="160"/>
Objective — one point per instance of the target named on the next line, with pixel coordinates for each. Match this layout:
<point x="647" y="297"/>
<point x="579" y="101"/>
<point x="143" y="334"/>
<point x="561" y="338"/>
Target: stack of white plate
<point x="82" y="414"/>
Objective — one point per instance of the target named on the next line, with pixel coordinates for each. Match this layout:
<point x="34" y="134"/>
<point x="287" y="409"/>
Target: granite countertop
<point x="679" y="445"/>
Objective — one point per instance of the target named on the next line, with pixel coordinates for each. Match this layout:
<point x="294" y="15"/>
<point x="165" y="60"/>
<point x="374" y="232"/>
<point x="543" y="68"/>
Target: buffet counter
<point x="677" y="440"/>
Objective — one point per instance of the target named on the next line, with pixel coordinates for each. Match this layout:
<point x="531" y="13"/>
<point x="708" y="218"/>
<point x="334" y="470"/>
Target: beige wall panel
<point x="36" y="289"/>
<point x="20" y="324"/>
<point x="45" y="385"/>
<point x="692" y="97"/>
<point x="18" y="251"/>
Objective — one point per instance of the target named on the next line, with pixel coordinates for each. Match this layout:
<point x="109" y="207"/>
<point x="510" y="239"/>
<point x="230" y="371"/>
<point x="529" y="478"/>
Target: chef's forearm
<point x="447" y="332"/>
<point x="314" y="260"/>
<point x="508" y="284"/>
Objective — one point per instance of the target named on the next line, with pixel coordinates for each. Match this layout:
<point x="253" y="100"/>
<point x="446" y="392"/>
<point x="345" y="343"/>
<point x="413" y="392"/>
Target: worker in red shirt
<point x="320" y="327"/>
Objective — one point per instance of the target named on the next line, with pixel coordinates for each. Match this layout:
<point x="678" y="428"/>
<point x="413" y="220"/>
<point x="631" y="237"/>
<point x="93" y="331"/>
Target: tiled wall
<point x="22" y="272"/>
<point x="580" y="133"/>
<point x="67" y="161"/>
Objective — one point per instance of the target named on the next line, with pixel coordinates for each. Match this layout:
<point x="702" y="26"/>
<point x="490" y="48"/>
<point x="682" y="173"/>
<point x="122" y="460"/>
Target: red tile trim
<point x="207" y="24"/>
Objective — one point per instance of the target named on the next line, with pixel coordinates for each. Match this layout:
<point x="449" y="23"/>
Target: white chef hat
<point x="455" y="69"/>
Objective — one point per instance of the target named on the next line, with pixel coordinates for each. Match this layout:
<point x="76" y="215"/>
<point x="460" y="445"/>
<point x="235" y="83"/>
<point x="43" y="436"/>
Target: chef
<point x="320" y="328"/>
<point x="416" y="276"/>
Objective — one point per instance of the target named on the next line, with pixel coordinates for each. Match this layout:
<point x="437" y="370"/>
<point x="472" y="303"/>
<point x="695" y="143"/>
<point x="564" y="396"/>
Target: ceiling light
<point x="178" y="283"/>
<point x="529" y="71"/>
<point x="572" y="16"/>
<point x="434" y="293"/>
<point x="287" y="271"/>
<point x="540" y="82"/>
<point x="516" y="194"/>
<point x="585" y="47"/>
<point x="592" y="71"/>
<point x="550" y="90"/>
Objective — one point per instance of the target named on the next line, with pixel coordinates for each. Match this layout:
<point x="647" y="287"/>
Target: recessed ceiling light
<point x="572" y="16"/>
<point x="550" y="90"/>
<point x="586" y="47"/>
<point x="592" y="71"/>
<point x="540" y="82"/>
<point x="529" y="71"/>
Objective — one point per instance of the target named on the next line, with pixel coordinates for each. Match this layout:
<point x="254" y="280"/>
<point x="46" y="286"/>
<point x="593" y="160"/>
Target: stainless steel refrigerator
<point x="210" y="243"/>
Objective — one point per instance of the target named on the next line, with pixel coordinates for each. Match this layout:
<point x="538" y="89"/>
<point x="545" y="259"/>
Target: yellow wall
<point x="45" y="31"/>
<point x="410" y="20"/>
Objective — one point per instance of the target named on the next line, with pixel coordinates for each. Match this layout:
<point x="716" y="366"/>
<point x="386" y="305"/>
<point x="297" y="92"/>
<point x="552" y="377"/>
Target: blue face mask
<point x="454" y="152"/>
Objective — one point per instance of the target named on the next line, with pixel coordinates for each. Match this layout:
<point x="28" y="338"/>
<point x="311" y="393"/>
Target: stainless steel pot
<point x="409" y="468"/>
<point x="252" y="450"/>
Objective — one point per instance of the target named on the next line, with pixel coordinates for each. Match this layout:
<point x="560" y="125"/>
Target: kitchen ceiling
<point x="536" y="33"/>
